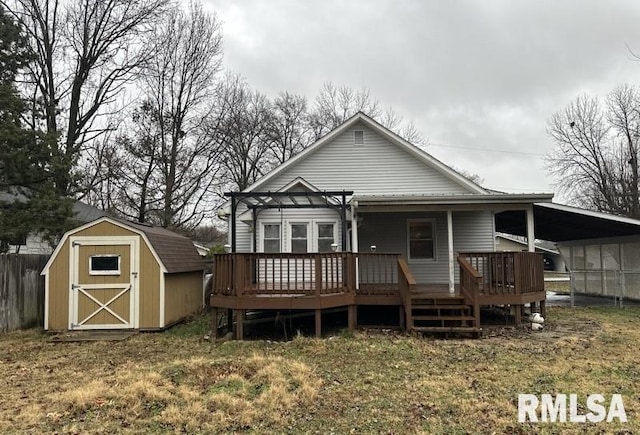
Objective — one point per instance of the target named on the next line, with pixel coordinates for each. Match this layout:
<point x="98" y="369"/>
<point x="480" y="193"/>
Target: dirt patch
<point x="91" y="336"/>
<point x="552" y="331"/>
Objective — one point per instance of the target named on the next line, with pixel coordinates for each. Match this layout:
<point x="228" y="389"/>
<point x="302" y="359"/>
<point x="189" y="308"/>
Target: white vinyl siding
<point x="472" y="231"/>
<point x="380" y="167"/>
<point x="244" y="237"/>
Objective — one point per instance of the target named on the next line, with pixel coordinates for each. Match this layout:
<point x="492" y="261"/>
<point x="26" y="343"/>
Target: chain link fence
<point x="604" y="274"/>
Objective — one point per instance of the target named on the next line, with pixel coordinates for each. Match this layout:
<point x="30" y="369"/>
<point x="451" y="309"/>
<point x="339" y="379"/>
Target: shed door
<point x="103" y="283"/>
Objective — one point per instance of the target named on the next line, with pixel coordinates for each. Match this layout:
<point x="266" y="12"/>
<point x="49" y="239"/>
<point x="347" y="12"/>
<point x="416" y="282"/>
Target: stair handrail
<point x="470" y="280"/>
<point x="406" y="284"/>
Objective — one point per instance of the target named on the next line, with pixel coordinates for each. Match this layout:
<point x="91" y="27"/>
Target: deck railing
<point x="406" y="285"/>
<point x="249" y="274"/>
<point x="246" y="274"/>
<point x="506" y="273"/>
<point x="305" y="274"/>
<point x="378" y="273"/>
<point x="470" y="283"/>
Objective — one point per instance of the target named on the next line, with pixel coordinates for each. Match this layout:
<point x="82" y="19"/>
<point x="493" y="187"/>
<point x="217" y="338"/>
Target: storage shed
<point x="113" y="274"/>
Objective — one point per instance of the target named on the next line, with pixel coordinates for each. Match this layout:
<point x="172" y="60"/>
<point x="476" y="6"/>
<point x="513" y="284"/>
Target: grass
<point x="365" y="382"/>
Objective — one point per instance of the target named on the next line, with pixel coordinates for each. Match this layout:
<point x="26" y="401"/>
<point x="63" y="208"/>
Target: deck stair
<point x="441" y="312"/>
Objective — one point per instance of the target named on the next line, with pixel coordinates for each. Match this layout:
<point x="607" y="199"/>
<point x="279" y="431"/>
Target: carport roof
<point x="561" y="223"/>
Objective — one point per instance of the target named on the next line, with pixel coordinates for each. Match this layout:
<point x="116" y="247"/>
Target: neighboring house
<point x="363" y="217"/>
<point x="34" y="243"/>
<point x="552" y="259"/>
<point x="114" y="274"/>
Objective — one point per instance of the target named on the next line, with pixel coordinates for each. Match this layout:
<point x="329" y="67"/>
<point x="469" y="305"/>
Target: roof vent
<point x="358" y="137"/>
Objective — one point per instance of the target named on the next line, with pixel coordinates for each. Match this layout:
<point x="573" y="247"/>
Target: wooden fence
<point x="21" y="291"/>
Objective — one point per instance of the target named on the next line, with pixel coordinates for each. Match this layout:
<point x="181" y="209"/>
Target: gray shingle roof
<point x="176" y="252"/>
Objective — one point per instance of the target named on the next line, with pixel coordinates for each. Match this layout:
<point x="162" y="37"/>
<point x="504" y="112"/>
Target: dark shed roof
<point x="176" y="252"/>
<point x="561" y="223"/>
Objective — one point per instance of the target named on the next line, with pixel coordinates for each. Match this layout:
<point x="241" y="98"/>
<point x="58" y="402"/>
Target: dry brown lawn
<point x="366" y="382"/>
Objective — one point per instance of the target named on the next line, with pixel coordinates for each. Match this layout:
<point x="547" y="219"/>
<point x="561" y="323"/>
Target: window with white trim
<point x="104" y="265"/>
<point x="358" y="137"/>
<point x="326" y="237"/>
<point x="421" y="239"/>
<point x="299" y="237"/>
<point x="271" y="238"/>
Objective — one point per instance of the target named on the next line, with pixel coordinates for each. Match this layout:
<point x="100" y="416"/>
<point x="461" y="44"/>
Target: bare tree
<point x="86" y="52"/>
<point x="166" y="165"/>
<point x="596" y="152"/>
<point x="242" y="132"/>
<point x="335" y="104"/>
<point x="289" y="126"/>
<point x="624" y="117"/>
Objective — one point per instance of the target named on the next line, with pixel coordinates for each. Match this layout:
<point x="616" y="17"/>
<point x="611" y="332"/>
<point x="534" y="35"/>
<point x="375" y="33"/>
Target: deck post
<point x="518" y="314"/>
<point x="239" y="324"/>
<point x="318" y="322"/>
<point x="352" y="313"/>
<point x="214" y="323"/>
<point x="402" y="318"/>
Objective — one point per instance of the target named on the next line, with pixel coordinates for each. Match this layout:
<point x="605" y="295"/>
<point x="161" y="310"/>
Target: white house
<point x="362" y="189"/>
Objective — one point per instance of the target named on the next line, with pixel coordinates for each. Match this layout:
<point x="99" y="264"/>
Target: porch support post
<point x="450" y="249"/>
<point x="343" y="218"/>
<point x="254" y="216"/>
<point x="233" y="222"/>
<point x="354" y="226"/>
<point x="354" y="239"/>
<point x="531" y="237"/>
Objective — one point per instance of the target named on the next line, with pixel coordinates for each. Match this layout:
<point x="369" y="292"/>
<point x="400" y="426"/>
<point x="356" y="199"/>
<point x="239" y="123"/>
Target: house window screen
<point x="104" y="265"/>
<point x="325" y="237"/>
<point x="421" y="240"/>
<point x="299" y="238"/>
<point x="271" y="238"/>
<point x="358" y="137"/>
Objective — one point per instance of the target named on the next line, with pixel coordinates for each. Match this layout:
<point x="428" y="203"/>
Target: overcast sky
<point x="472" y="75"/>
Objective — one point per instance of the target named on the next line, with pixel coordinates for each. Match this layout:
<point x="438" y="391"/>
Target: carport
<point x="602" y="251"/>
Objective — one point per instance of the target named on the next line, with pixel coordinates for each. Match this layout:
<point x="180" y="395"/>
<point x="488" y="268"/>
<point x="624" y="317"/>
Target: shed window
<point x="358" y="137"/>
<point x="421" y="239"/>
<point x="104" y="265"/>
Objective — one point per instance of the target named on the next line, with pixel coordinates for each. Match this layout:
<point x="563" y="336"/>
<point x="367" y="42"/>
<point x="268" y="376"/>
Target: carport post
<point x="531" y="237"/>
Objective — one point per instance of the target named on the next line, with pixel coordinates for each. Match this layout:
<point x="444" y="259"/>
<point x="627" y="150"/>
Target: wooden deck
<point x="251" y="281"/>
